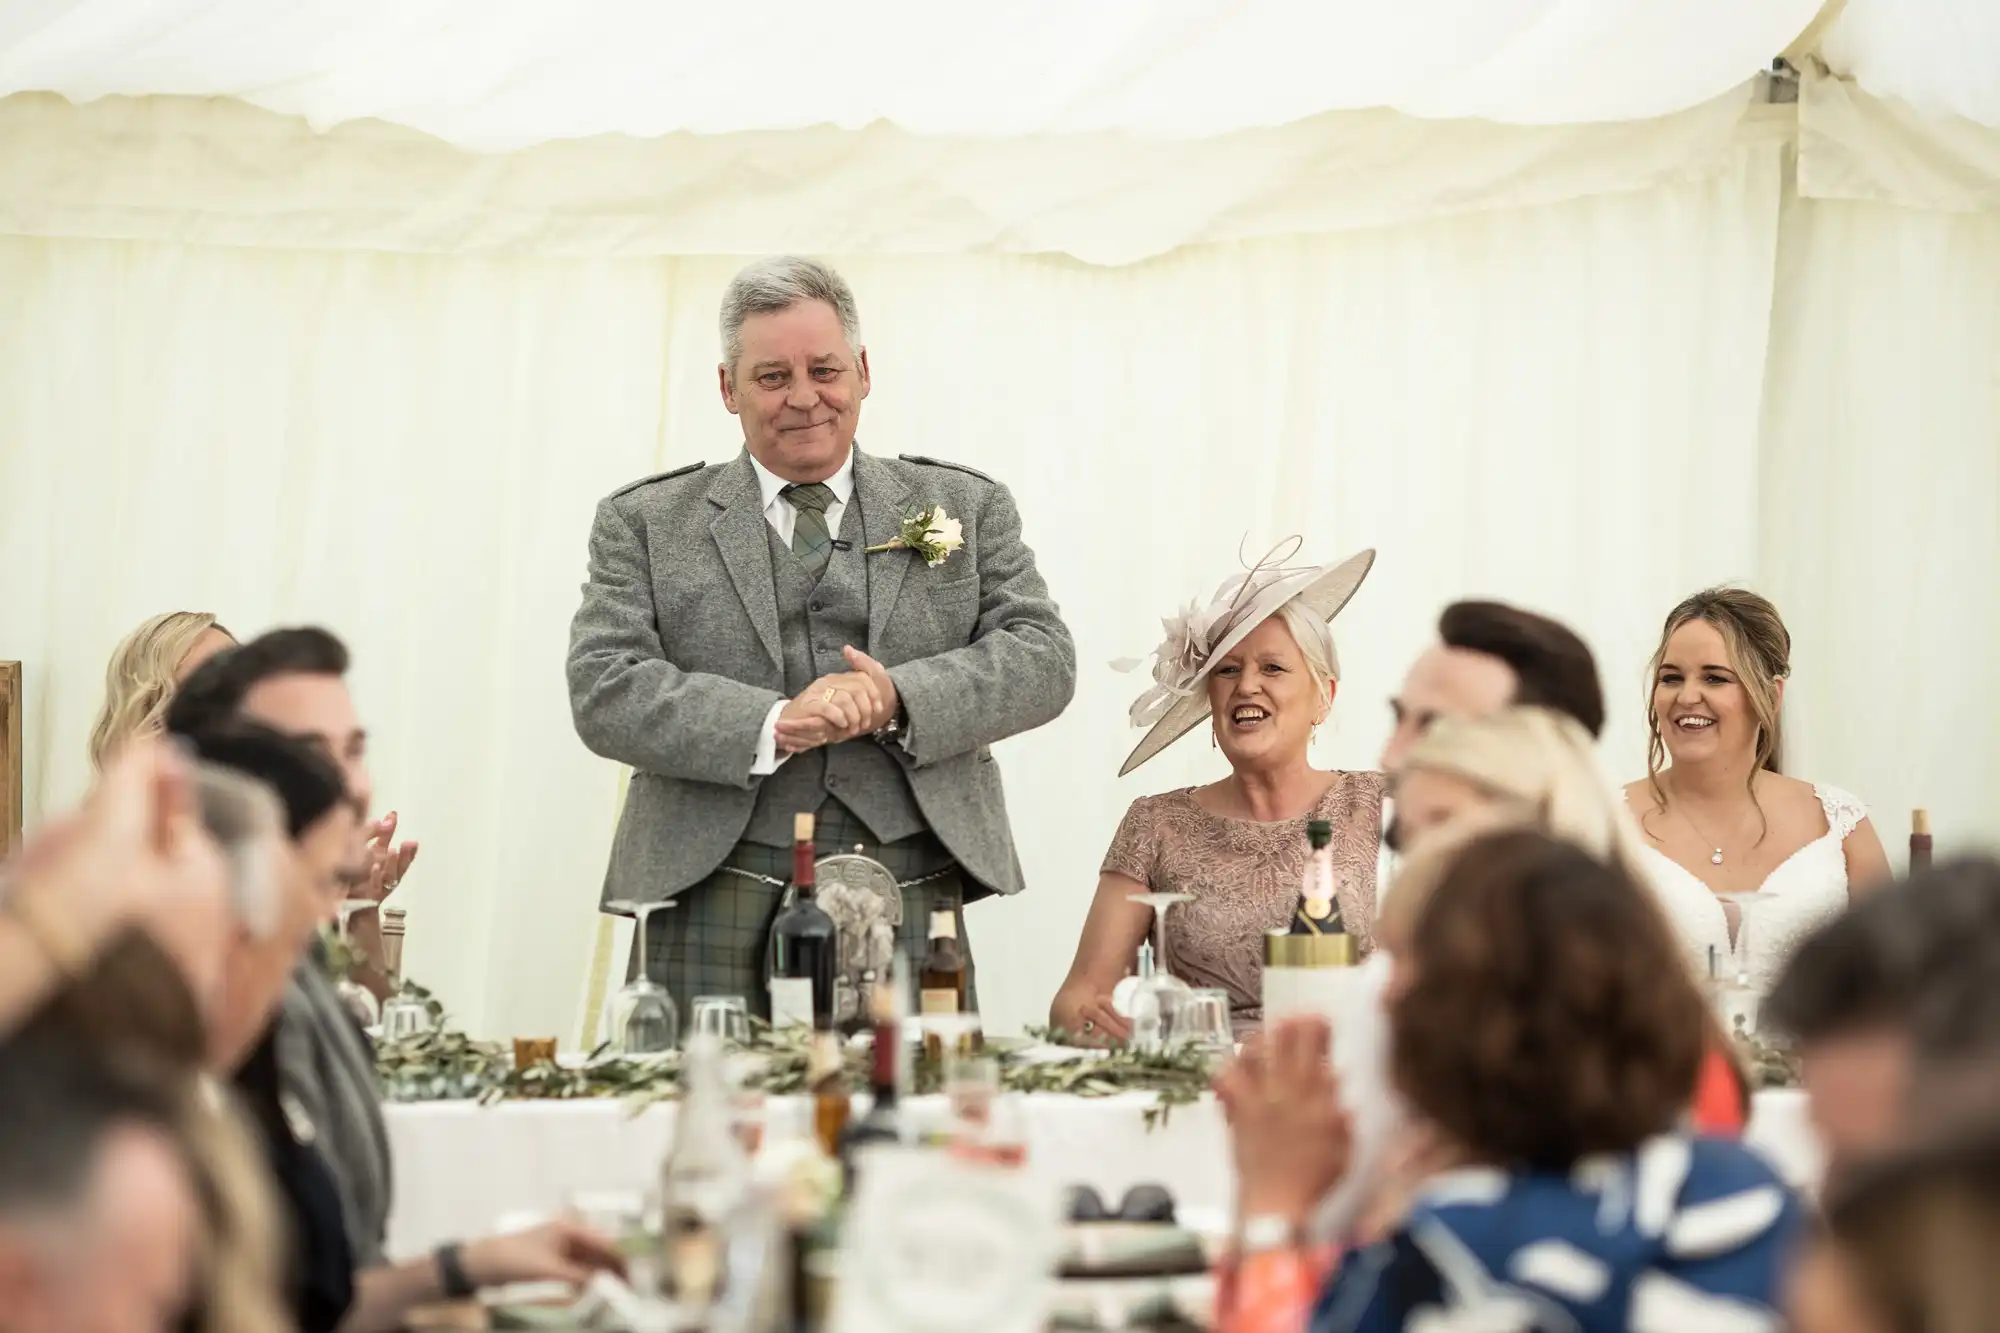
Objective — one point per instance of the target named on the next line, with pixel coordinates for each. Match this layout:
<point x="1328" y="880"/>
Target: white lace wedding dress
<point x="1805" y="892"/>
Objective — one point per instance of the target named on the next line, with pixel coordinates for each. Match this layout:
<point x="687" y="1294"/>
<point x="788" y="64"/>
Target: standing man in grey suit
<point x="750" y="648"/>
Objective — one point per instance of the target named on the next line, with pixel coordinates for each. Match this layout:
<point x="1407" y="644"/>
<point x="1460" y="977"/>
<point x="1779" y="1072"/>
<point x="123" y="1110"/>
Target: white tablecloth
<point x="462" y="1168"/>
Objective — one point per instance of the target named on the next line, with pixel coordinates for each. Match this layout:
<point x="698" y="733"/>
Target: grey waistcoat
<point x="814" y="624"/>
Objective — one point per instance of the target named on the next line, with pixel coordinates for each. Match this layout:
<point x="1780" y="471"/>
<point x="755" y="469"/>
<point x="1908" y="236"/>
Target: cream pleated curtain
<point x="1591" y="401"/>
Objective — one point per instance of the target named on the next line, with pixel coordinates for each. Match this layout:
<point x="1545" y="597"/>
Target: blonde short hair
<point x="140" y="680"/>
<point x="1544" y="763"/>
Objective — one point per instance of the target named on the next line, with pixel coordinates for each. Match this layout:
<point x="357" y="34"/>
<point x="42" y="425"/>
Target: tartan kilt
<point x="712" y="941"/>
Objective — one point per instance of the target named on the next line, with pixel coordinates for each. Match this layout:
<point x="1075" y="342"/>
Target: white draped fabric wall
<point x="1880" y="526"/>
<point x="1561" y="405"/>
<point x="1187" y="276"/>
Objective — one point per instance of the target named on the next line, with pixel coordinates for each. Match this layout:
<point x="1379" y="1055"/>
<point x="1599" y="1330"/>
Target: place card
<point x="934" y="1244"/>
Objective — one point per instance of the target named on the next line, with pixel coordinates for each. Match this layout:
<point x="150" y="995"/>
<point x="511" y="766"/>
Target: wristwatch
<point x="893" y="728"/>
<point x="453" y="1280"/>
<point x="1264" y="1232"/>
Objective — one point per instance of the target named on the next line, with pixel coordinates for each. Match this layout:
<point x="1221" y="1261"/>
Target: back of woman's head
<point x="1919" y="1231"/>
<point x="1551" y="1015"/>
<point x="1544" y="763"/>
<point x="139" y="682"/>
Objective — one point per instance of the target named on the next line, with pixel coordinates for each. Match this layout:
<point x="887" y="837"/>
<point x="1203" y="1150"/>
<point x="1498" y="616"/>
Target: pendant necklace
<point x="1716" y="858"/>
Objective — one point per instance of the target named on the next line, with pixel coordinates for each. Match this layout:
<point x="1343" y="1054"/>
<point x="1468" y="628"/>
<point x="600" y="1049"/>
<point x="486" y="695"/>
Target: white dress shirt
<point x="782" y="517"/>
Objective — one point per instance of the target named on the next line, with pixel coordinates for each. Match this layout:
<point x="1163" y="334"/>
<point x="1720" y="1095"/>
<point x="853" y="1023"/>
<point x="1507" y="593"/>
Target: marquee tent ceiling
<point x="497" y="75"/>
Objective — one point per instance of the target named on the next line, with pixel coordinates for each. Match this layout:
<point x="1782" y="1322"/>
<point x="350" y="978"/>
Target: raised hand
<point x="387" y="862"/>
<point x="135" y="855"/>
<point x="1290" y="1137"/>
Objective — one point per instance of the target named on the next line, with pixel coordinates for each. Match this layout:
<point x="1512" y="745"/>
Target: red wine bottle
<point x="883" y="1122"/>
<point x="805" y="952"/>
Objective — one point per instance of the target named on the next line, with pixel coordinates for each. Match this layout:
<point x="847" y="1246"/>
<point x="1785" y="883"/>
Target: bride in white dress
<point x="1729" y="840"/>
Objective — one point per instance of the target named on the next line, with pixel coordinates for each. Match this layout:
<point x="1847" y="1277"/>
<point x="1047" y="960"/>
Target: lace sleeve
<point x="1844" y="811"/>
<point x="1135" y="847"/>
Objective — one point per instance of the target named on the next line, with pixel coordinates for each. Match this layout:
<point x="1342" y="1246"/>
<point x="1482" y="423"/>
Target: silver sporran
<point x="866" y="905"/>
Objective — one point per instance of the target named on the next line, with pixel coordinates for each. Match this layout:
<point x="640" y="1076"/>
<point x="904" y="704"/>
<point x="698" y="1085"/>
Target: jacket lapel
<point x="739" y="531"/>
<point x="883" y="498"/>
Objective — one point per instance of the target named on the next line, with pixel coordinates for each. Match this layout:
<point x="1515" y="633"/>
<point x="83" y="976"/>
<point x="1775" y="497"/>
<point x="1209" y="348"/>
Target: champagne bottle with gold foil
<point x="1305" y="962"/>
<point x="1318" y="910"/>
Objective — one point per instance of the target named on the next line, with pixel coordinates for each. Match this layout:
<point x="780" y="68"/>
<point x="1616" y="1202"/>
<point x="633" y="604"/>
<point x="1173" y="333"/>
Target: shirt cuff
<point x="768" y="759"/>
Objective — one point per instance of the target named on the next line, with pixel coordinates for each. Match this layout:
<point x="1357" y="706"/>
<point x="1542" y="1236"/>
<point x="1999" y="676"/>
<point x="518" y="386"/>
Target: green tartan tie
<point x="811" y="542"/>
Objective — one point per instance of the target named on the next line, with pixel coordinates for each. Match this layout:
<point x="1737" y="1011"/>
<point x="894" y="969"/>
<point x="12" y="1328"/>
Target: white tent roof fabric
<point x="500" y="75"/>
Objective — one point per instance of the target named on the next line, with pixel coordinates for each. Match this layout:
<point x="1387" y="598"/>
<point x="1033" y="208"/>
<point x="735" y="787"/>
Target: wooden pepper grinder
<point x="1920" y="840"/>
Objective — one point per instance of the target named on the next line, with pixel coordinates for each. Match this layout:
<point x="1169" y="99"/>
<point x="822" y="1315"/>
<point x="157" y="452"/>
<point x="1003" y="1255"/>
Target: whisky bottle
<point x="941" y="978"/>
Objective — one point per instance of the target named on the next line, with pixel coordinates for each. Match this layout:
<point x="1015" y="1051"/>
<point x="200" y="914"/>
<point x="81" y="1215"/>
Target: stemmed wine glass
<point x="644" y="1018"/>
<point x="1159" y="984"/>
<point x="360" y="1001"/>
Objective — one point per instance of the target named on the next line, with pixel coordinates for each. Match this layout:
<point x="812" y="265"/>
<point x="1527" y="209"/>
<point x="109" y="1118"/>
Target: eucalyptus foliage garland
<point x="447" y="1065"/>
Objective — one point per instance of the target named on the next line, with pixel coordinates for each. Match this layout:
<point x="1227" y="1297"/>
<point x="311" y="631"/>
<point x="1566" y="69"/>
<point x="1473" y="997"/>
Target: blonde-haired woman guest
<point x="144" y="670"/>
<point x="1257" y="666"/>
<point x="1535" y="763"/>
<point x="1720" y="821"/>
<point x="1539" y="767"/>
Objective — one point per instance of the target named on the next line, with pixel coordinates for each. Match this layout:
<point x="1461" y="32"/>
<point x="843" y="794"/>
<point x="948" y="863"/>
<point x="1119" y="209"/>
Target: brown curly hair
<point x="1551" y="1015"/>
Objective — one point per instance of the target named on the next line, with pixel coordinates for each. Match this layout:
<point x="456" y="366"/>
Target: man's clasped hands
<point x="840" y="707"/>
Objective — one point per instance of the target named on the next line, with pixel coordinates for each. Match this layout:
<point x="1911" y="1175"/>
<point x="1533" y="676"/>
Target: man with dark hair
<point x="1490" y="655"/>
<point x="216" y="690"/>
<point x="292" y="681"/>
<point x="1551" y="665"/>
<point x="100" y="1222"/>
<point x="1891" y="1005"/>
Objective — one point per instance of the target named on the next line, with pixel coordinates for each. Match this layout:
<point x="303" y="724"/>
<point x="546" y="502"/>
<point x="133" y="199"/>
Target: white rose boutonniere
<point x="930" y="532"/>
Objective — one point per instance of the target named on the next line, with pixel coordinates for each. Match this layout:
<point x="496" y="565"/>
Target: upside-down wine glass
<point x="1736" y="996"/>
<point x="644" y="1018"/>
<point x="358" y="999"/>
<point x="1162" y="985"/>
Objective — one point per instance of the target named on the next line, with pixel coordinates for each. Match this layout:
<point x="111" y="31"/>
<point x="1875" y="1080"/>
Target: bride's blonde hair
<point x="140" y="680"/>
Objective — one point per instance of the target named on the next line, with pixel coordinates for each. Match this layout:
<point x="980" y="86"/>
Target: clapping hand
<point x="1290" y="1137"/>
<point x="839" y="707"/>
<point x="387" y="862"/>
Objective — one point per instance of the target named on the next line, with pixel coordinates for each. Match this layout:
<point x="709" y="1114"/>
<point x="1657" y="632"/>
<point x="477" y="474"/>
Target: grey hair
<point x="1315" y="639"/>
<point x="244" y="816"/>
<point x="779" y="283"/>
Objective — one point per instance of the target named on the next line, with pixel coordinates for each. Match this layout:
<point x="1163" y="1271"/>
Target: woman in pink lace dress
<point x="1258" y="666"/>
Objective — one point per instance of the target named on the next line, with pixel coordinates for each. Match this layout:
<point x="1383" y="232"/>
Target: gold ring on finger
<point x="827" y="698"/>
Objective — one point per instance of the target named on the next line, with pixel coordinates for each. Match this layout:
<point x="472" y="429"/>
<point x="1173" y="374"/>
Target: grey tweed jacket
<point x="675" y="660"/>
